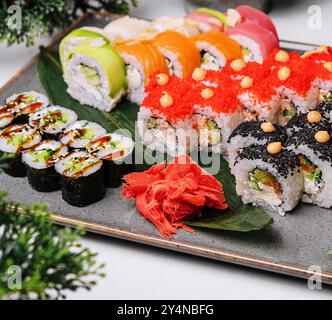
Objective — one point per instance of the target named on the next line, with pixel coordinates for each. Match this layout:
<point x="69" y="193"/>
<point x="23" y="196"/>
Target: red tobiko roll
<point x="177" y="89"/>
<point x="169" y="196"/>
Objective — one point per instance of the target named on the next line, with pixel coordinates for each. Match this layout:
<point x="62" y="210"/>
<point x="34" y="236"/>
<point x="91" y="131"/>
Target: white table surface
<point x="139" y="272"/>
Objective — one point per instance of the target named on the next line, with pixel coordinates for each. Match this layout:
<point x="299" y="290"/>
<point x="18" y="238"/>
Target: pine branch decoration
<point x="44" y="17"/>
<point x="50" y="258"/>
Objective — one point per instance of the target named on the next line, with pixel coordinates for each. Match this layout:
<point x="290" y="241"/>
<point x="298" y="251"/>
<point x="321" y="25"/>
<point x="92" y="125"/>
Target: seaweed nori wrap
<point x="40" y="161"/>
<point x="13" y="141"/>
<point x="52" y="121"/>
<point x="80" y="133"/>
<point x="25" y="103"/>
<point x="116" y="151"/>
<point x="81" y="179"/>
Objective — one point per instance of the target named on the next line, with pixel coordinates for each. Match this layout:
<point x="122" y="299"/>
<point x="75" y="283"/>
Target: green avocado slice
<point x="110" y="61"/>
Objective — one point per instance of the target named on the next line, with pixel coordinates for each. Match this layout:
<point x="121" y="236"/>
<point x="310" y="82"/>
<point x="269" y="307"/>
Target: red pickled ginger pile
<point x="168" y="196"/>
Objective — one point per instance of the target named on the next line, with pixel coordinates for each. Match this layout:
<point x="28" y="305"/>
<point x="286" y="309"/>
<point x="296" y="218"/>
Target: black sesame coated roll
<point x="325" y="108"/>
<point x="81" y="179"/>
<point x="269" y="176"/>
<point x="40" y="161"/>
<point x="253" y="132"/>
<point x="116" y="151"/>
<point x="311" y="122"/>
<point x="314" y="150"/>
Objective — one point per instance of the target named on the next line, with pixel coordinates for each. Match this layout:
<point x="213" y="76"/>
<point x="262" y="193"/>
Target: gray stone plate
<point x="290" y="246"/>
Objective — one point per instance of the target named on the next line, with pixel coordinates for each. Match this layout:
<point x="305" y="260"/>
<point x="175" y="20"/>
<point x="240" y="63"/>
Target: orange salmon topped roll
<point x="216" y="48"/>
<point x="142" y="60"/>
<point x="180" y="52"/>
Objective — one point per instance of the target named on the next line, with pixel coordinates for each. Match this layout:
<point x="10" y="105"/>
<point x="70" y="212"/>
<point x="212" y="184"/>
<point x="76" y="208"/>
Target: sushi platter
<point x="204" y="84"/>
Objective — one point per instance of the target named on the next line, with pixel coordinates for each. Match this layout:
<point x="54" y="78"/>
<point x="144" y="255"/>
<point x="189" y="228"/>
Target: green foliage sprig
<point x="43" y="17"/>
<point x="50" y="258"/>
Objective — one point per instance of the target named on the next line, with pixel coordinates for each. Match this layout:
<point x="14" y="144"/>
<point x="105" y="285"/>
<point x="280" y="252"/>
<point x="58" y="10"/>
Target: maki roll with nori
<point x="251" y="133"/>
<point x="40" y="161"/>
<point x="81" y="178"/>
<point x="13" y="141"/>
<point x="80" y="133"/>
<point x="25" y="103"/>
<point x="52" y="121"/>
<point x="269" y="176"/>
<point x="6" y="117"/>
<point x="116" y="151"/>
<point x="314" y="150"/>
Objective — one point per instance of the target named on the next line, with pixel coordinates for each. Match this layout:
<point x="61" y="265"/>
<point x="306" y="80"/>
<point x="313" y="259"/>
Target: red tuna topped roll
<point x="258" y="17"/>
<point x="256" y="41"/>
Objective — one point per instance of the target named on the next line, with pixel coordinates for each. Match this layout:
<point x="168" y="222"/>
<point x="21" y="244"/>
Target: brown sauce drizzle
<point x="13" y="129"/>
<point x="75" y="134"/>
<point x="55" y="153"/>
<point x="98" y="144"/>
<point x="83" y="170"/>
<point x="28" y="108"/>
<point x="47" y="119"/>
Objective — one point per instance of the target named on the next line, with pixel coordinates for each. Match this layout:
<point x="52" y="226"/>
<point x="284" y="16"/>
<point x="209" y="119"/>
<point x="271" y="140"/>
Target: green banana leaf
<point x="238" y="217"/>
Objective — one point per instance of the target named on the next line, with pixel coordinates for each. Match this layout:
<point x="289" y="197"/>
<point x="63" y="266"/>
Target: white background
<point x="139" y="272"/>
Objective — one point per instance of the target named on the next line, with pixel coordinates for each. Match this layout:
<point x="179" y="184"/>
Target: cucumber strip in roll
<point x="13" y="140"/>
<point x="53" y="120"/>
<point x="116" y="151"/>
<point x="40" y="161"/>
<point x="96" y="76"/>
<point x="25" y="103"/>
<point x="81" y="178"/>
<point x="80" y="133"/>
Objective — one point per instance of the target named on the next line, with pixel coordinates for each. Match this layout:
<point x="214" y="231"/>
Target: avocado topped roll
<point x="80" y="133"/>
<point x="269" y="176"/>
<point x="40" y="161"/>
<point x="314" y="150"/>
<point x="53" y="120"/>
<point x="13" y="141"/>
<point x="96" y="75"/>
<point x="81" y="179"/>
<point x="6" y="117"/>
<point x="116" y="151"/>
<point x="253" y="133"/>
<point x="25" y="103"/>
